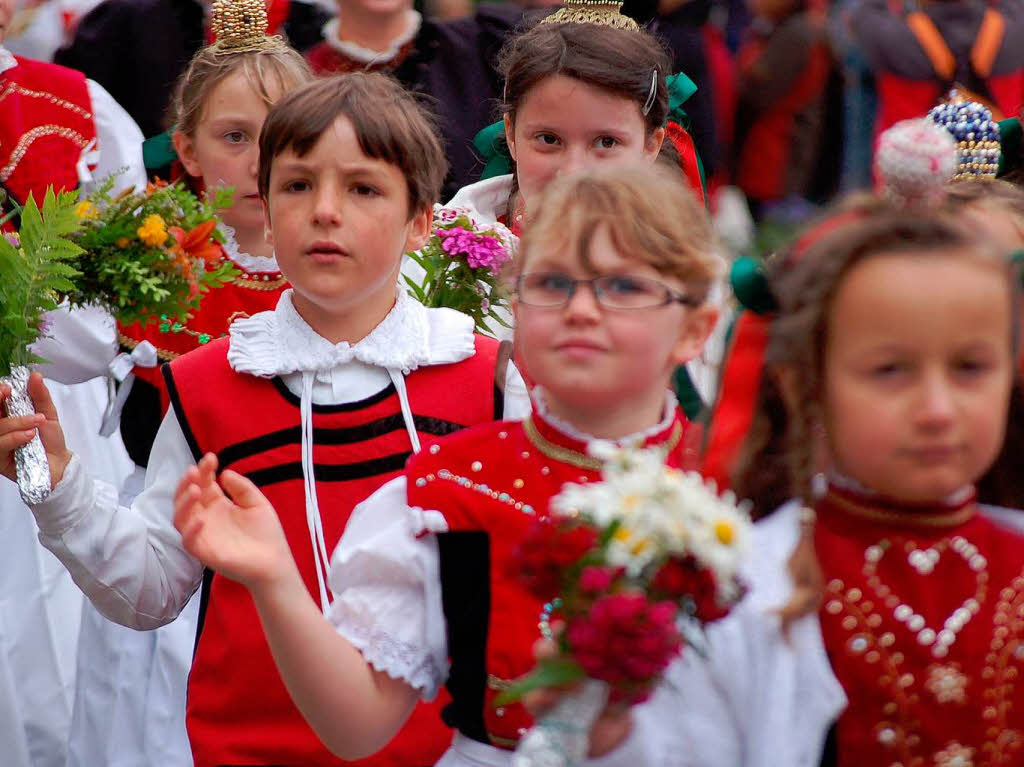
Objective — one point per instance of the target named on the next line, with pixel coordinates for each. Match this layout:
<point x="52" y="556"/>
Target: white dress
<point x="40" y="607"/>
<point x="129" y="560"/>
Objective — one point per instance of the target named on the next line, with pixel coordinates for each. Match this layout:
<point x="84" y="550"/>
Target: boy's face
<point x="339" y="223"/>
<point x="591" y="358"/>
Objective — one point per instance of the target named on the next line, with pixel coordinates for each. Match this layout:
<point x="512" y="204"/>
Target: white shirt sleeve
<point x="386" y="579"/>
<point x="79" y="346"/>
<point x="517" y="398"/>
<point x="128" y="561"/>
<point x="119" y="142"/>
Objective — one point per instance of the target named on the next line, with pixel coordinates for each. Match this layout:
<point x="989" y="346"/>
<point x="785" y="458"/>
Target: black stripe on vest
<point x="335" y="436"/>
<point x="179" y="411"/>
<point x="339" y="472"/>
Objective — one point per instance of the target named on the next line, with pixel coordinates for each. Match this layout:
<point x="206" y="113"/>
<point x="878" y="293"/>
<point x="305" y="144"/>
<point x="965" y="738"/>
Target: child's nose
<point x="326" y="210"/>
<point x="575" y="159"/>
<point x="937" y="399"/>
<point x="583" y="302"/>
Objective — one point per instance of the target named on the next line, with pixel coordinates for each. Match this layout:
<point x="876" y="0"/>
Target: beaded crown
<point x="240" y="26"/>
<point x="606" y="12"/>
<point x="976" y="135"/>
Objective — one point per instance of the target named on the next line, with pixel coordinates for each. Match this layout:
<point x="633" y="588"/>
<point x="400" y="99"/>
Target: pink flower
<point x="596" y="580"/>
<point x="13" y="238"/>
<point x="479" y="250"/>
<point x="627" y="641"/>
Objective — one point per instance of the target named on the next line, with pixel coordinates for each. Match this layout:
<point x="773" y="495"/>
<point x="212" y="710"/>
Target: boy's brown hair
<point x="389" y="124"/>
<point x="649" y="215"/>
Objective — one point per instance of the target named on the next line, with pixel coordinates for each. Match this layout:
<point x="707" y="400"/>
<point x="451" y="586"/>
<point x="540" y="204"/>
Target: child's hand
<point x="611" y="727"/>
<point x="231" y="526"/>
<point x="17" y="432"/>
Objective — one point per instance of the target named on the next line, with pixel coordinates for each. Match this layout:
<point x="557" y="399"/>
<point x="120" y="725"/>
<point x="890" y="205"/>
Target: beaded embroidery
<point x="36" y="133"/>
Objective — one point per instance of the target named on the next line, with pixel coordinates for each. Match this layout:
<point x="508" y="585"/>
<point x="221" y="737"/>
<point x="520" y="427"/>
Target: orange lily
<point x="196" y="243"/>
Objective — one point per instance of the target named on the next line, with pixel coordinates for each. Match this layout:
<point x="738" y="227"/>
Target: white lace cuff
<point x="386" y="577"/>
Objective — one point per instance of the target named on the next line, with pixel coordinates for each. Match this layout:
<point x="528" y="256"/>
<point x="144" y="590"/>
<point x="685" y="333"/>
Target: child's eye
<point x="364" y="190"/>
<point x="971" y="367"/>
<point x="624" y="285"/>
<point x="888" y="369"/>
<point x="235" y="137"/>
<point x="606" y="142"/>
<point x="547" y="139"/>
<point x="297" y="186"/>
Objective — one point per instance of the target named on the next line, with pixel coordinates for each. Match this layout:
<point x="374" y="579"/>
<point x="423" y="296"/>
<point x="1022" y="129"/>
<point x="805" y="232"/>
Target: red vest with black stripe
<point x="46" y="123"/>
<point x="238" y="710"/>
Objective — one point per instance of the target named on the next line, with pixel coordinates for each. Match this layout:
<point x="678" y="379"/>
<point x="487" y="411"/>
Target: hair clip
<point x="652" y="95"/>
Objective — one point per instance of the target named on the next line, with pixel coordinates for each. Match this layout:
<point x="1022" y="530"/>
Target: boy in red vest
<point x="919" y="50"/>
<point x="319" y="402"/>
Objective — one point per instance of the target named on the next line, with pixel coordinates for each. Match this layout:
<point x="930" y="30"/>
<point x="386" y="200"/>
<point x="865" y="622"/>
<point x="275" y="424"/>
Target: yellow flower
<point x="725" y="532"/>
<point x="86" y="210"/>
<point x="153" y="231"/>
<point x="123" y="242"/>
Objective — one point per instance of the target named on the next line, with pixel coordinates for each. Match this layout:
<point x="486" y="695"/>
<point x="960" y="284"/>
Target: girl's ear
<point x="697" y="328"/>
<point x="186" y="149"/>
<point x="419" y="229"/>
<point x="510" y="136"/>
<point x="652" y="146"/>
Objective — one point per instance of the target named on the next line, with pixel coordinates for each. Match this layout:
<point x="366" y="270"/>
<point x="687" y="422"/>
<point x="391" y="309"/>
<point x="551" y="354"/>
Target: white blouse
<point x="129" y="560"/>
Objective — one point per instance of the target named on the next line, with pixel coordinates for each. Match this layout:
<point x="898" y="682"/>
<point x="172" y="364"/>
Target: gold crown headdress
<point x="240" y="26"/>
<point x="605" y="12"/>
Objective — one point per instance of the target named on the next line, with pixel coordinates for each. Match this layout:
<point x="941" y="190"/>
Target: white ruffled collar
<point x="569" y="430"/>
<point x="280" y="342"/>
<point x="366" y="55"/>
<point x="7" y="60"/>
<point x="250" y="263"/>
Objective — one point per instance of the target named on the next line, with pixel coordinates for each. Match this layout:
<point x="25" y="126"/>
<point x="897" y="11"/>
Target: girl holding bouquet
<point x="893" y="370"/>
<point x="610" y="297"/>
<point x="130" y="689"/>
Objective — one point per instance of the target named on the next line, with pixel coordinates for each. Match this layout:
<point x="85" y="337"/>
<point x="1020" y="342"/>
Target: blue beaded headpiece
<point x="976" y="135"/>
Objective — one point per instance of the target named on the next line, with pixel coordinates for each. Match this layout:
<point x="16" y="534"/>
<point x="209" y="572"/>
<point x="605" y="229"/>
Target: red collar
<point x="843" y="504"/>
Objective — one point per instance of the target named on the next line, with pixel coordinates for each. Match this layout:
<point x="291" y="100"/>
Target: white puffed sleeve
<point x="386" y="579"/>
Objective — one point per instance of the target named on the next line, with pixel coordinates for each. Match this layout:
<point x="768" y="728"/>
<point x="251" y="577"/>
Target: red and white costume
<point x="914" y="657"/>
<point x="423" y="575"/>
<point x="324" y="401"/>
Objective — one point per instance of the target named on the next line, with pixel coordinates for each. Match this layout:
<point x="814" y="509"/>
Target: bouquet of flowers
<point x="461" y="263"/>
<point x="148" y="254"/>
<point x="635" y="565"/>
<point x="34" y="272"/>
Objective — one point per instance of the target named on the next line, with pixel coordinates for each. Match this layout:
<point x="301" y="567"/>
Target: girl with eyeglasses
<point x="615" y="270"/>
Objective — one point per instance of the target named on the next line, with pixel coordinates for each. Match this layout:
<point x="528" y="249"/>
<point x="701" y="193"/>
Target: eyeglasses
<point x="612" y="291"/>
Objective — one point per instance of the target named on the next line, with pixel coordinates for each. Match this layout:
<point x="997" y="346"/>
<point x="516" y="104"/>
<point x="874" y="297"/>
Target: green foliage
<point x="141" y="274"/>
<point x="35" y="273"/>
<point x="451" y="280"/>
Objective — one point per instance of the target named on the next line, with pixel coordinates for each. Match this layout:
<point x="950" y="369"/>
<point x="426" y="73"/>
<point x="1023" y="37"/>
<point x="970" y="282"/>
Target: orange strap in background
<point x="933" y="44"/>
<point x="988" y="42"/>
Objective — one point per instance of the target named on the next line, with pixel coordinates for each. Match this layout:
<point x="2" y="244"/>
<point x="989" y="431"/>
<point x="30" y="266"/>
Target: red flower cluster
<point x="679" y="579"/>
<point x="627" y="641"/>
<point x="542" y="559"/>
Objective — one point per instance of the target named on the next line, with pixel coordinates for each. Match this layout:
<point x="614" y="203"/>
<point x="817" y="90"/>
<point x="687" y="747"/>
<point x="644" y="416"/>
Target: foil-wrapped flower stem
<point x="29" y="460"/>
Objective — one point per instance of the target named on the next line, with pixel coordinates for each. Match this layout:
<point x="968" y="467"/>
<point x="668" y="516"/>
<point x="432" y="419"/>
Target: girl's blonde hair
<point x="649" y="215"/>
<point x="270" y="72"/>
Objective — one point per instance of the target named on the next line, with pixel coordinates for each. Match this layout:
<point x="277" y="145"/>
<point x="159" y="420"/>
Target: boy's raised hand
<point x="18" y="431"/>
<point x="229" y="525"/>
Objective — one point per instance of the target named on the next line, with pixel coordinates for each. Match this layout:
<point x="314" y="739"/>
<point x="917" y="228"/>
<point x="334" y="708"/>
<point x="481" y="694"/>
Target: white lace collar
<point x="250" y="263"/>
<point x="572" y="432"/>
<point x="366" y="55"/>
<point x="7" y="60"/>
<point x="279" y="342"/>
